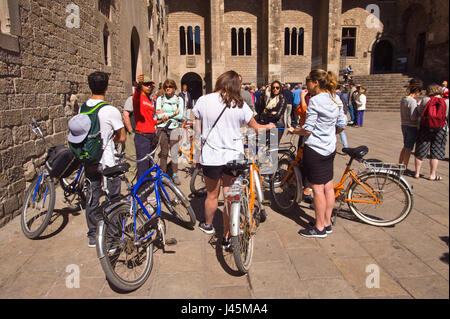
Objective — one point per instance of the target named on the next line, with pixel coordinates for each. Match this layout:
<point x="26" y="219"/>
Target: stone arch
<point x="194" y="83"/>
<point x="383" y="56"/>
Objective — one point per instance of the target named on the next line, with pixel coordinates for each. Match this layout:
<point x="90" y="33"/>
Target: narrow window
<point x="197" y="41"/>
<point x="182" y="41"/>
<point x="294" y="41"/>
<point x="106" y="44"/>
<point x="241" y="44"/>
<point x="301" y="41"/>
<point x="287" y="41"/>
<point x="233" y="42"/>
<point x="190" y="41"/>
<point x="248" y="41"/>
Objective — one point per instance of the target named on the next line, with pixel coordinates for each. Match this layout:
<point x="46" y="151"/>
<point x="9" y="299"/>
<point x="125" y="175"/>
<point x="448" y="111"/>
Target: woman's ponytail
<point x="332" y="82"/>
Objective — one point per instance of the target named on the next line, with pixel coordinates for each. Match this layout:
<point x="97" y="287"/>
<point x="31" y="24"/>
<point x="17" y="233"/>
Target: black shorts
<point x="318" y="168"/>
<point x="215" y="172"/>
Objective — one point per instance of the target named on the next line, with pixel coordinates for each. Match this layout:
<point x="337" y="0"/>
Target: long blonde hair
<point x="327" y="80"/>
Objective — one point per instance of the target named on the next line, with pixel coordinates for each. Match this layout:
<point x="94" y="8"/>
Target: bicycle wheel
<point x="38" y="207"/>
<point x="177" y="203"/>
<point x="242" y="244"/>
<point x="284" y="195"/>
<point x="394" y="204"/>
<point x="197" y="185"/>
<point x="128" y="259"/>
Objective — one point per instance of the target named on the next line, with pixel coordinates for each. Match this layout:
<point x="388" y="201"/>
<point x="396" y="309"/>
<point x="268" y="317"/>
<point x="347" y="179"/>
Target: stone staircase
<point x="384" y="91"/>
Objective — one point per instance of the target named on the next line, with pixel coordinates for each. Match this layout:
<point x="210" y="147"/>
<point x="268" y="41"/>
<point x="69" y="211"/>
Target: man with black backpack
<point x="92" y="135"/>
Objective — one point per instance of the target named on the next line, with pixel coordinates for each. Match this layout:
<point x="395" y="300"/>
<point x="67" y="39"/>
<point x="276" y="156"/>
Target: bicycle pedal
<point x="266" y="202"/>
<point x="171" y="241"/>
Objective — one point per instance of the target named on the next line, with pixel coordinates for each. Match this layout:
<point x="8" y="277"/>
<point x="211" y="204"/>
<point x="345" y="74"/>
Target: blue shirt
<point x="323" y="114"/>
<point x="297" y="99"/>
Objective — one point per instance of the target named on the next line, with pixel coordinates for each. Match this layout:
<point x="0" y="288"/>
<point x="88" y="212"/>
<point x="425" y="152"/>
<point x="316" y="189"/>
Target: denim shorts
<point x="409" y="136"/>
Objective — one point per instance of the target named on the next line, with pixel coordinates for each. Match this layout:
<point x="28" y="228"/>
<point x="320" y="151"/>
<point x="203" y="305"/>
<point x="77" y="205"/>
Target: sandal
<point x="436" y="178"/>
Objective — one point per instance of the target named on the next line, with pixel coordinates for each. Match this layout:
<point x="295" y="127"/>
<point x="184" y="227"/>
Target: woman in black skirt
<point x="324" y="119"/>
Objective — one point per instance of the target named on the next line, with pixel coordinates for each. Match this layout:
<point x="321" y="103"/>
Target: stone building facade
<point x="47" y="50"/>
<point x="290" y="37"/>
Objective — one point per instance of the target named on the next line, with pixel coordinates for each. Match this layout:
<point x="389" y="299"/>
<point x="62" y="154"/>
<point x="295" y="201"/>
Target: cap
<point x="79" y="127"/>
<point x="147" y="79"/>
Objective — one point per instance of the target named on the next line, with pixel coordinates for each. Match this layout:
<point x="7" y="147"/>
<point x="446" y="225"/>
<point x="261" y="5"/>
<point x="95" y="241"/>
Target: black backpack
<point x="61" y="162"/>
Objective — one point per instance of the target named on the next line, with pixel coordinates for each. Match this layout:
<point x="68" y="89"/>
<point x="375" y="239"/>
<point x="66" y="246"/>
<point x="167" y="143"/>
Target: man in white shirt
<point x="112" y="131"/>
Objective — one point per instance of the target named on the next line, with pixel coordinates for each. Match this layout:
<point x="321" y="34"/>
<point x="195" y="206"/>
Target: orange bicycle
<point x="379" y="195"/>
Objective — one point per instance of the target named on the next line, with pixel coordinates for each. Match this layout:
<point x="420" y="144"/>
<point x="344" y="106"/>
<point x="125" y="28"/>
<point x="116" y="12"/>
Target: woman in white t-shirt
<point x="222" y="143"/>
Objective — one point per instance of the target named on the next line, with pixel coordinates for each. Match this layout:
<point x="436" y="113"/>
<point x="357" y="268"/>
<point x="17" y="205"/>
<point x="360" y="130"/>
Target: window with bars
<point x="349" y="41"/>
<point x="294" y="41"/>
<point x="190" y="41"/>
<point x="241" y="42"/>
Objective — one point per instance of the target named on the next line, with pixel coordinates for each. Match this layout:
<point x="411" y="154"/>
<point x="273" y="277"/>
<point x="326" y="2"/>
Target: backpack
<point x="434" y="116"/>
<point x="90" y="150"/>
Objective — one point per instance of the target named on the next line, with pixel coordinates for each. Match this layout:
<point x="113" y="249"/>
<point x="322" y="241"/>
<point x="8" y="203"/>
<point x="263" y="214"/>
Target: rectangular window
<point x="349" y="40"/>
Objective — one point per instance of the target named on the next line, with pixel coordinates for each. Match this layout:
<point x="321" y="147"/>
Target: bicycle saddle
<point x="116" y="170"/>
<point x="357" y="152"/>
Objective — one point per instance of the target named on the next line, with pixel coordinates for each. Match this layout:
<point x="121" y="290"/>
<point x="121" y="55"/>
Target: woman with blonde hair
<point x="221" y="115"/>
<point x="324" y="119"/>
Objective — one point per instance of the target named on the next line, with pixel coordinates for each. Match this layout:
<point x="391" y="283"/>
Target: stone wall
<point x="45" y="77"/>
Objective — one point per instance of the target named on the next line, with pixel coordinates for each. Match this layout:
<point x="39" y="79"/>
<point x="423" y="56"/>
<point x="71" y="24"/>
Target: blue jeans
<point x="351" y="109"/>
<point x="343" y="137"/>
<point x="143" y="147"/>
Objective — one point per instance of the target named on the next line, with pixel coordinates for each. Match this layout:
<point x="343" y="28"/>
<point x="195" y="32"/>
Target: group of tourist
<point x="320" y="109"/>
<point x="417" y="133"/>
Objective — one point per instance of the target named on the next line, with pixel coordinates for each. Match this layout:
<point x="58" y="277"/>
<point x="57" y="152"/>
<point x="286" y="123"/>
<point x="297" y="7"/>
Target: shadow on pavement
<point x="58" y="221"/>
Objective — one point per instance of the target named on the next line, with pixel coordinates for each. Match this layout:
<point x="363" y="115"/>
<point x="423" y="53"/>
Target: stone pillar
<point x="274" y="40"/>
<point x="329" y="31"/>
<point x="334" y="35"/>
<point x="217" y="61"/>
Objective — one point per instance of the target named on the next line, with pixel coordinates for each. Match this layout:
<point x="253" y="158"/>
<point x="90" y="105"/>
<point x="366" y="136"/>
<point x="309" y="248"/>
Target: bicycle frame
<point x="339" y="187"/>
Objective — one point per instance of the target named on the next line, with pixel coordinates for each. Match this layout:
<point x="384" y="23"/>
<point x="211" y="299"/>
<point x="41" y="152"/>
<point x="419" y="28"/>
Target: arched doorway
<point x="383" y="57"/>
<point x="194" y="83"/>
<point x="135" y="58"/>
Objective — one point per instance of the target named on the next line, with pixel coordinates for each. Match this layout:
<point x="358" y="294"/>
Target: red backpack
<point x="434" y="114"/>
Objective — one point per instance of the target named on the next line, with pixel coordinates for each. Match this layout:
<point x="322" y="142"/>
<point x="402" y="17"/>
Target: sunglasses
<point x="276" y="88"/>
<point x="148" y="84"/>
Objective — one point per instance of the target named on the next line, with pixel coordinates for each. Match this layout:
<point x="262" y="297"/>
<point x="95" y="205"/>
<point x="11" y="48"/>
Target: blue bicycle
<point x="129" y="228"/>
<point x="39" y="202"/>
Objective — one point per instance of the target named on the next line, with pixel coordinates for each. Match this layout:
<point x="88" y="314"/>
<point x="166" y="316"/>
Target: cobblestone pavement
<point x="412" y="256"/>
